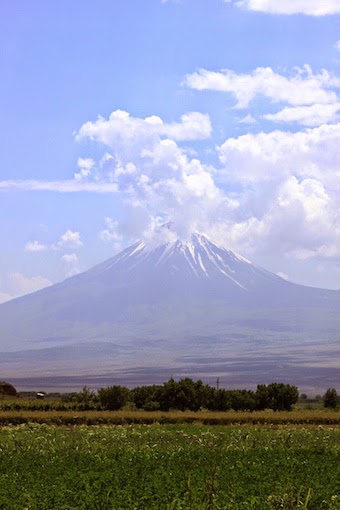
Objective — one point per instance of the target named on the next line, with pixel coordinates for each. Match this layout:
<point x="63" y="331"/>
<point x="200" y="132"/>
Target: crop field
<point x="175" y="467"/>
<point x="52" y="416"/>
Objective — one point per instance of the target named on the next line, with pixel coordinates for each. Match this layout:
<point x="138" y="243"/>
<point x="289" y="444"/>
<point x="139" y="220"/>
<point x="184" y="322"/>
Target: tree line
<point x="185" y="394"/>
<point x="189" y="395"/>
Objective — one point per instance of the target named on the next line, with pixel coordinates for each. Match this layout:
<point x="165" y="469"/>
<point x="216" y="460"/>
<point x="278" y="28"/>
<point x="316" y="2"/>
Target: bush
<point x="7" y="389"/>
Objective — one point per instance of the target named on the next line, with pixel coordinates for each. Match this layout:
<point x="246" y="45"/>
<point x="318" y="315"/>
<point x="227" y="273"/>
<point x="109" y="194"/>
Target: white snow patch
<point x="199" y="258"/>
<point x="138" y="248"/>
<point x="191" y="249"/>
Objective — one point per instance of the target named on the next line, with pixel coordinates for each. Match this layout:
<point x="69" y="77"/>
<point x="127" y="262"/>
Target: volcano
<point x="182" y="308"/>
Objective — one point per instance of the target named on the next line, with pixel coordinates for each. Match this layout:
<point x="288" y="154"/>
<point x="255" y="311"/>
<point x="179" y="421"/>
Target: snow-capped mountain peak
<point x="196" y="259"/>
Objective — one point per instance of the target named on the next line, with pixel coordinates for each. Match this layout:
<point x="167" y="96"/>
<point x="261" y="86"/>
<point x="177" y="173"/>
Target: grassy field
<point x="182" y="467"/>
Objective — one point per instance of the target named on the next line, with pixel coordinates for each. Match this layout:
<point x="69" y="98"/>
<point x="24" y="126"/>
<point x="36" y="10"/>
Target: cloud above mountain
<point x="156" y="174"/>
<point x="296" y="175"/>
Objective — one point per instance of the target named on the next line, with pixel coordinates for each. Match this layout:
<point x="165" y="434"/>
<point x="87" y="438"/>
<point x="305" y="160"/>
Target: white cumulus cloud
<point x="302" y="87"/>
<point x="154" y="173"/>
<point x="123" y="130"/>
<point x="70" y="240"/>
<point x="307" y="7"/>
<point x="71" y="264"/>
<point x="16" y="285"/>
<point x="313" y="115"/>
<point x="4" y="296"/>
<point x="298" y="218"/>
<point x="85" y="166"/>
<point x="35" y="246"/>
<point x="254" y="158"/>
<point x="271" y="193"/>
<point x="112" y="234"/>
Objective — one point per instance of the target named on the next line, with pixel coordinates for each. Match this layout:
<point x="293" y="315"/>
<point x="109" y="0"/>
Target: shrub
<point x="7" y="389"/>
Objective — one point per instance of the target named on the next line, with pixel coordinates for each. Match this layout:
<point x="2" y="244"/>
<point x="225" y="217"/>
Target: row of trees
<point x="187" y="394"/>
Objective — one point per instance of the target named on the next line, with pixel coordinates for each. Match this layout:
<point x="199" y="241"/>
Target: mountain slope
<point x="168" y="304"/>
<point x="149" y="273"/>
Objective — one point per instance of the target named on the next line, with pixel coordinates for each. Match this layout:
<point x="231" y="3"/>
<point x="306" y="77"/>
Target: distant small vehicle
<point x="41" y="395"/>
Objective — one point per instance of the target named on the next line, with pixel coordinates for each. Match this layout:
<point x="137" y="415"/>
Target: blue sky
<point x="221" y="116"/>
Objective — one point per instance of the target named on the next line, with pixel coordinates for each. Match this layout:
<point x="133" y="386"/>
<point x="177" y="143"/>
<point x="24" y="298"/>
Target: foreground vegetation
<point x="75" y="453"/>
<point x="187" y="467"/>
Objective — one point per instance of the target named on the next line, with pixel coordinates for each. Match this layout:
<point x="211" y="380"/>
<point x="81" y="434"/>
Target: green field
<point x="169" y="467"/>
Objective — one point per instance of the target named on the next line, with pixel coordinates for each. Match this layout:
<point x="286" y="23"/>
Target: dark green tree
<point x="114" y="397"/>
<point x="147" y="397"/>
<point x="276" y="396"/>
<point x="262" y="397"/>
<point x="178" y="395"/>
<point x="185" y="394"/>
<point x="243" y="400"/>
<point x="330" y="398"/>
<point x="220" y="401"/>
<point x="282" y="396"/>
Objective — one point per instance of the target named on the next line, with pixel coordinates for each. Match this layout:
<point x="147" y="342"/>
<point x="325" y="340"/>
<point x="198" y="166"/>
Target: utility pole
<point x="218" y="383"/>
